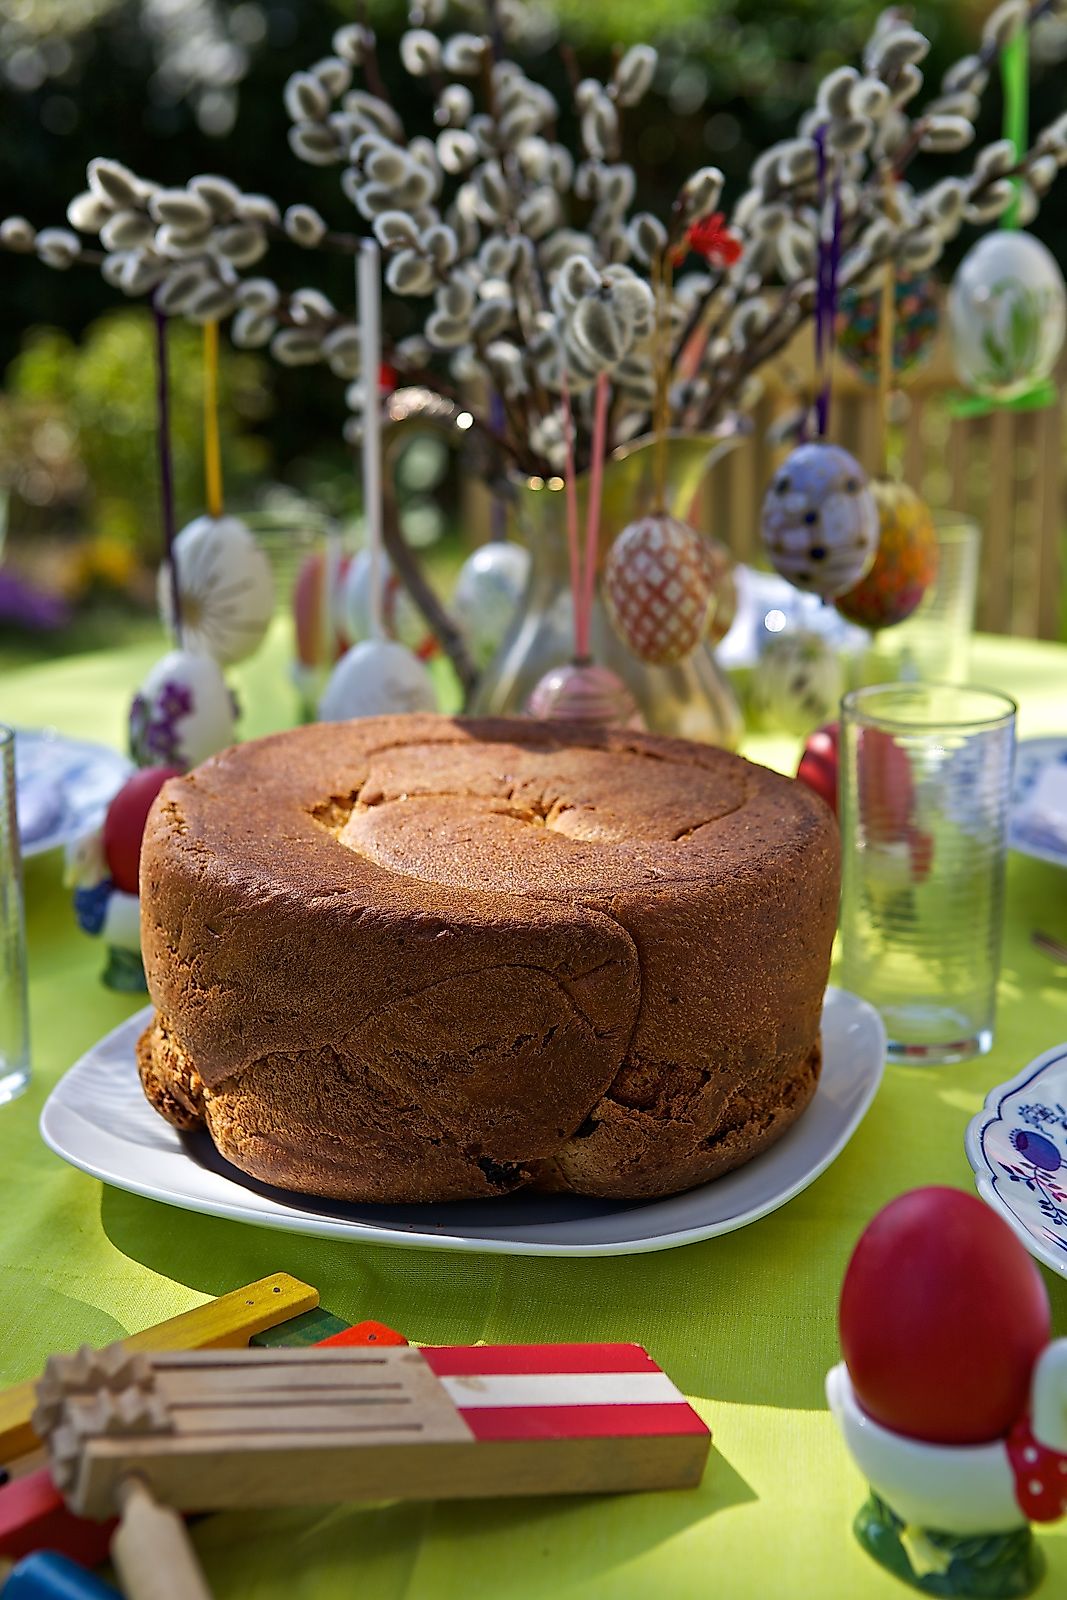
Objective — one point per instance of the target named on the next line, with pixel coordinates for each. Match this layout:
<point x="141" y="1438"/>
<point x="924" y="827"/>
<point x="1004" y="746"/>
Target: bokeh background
<point x="175" y="87"/>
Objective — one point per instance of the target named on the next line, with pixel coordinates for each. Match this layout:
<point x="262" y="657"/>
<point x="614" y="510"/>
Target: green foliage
<point x="97" y="396"/>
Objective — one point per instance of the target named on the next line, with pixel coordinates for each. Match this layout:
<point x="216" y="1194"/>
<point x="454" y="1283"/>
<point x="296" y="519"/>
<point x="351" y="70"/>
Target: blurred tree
<point x="77" y="430"/>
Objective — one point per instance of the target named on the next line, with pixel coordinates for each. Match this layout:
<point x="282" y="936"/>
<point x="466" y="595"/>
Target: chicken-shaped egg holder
<point x="149" y="1435"/>
<point x="951" y="1399"/>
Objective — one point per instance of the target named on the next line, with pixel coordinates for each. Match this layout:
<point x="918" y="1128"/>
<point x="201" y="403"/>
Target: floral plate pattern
<point x="1025" y="833"/>
<point x="1017" y="1147"/>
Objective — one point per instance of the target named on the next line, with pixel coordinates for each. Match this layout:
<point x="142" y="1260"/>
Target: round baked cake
<point x="422" y="958"/>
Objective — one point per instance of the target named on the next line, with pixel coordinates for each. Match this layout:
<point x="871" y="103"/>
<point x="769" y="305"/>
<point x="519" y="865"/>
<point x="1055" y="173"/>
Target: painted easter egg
<point x="820" y="762"/>
<point x="905" y="564"/>
<point x="182" y="713"/>
<point x="819" y="520"/>
<point x="916" y="315"/>
<point x="374" y="678"/>
<point x="488" y="592"/>
<point x="657" y="585"/>
<point x="942" y="1316"/>
<point x="318" y="641"/>
<point x="225" y="586"/>
<point x="401" y="617"/>
<point x="798" y="681"/>
<point x="581" y="691"/>
<point x="1007" y="311"/>
<point x="125" y="822"/>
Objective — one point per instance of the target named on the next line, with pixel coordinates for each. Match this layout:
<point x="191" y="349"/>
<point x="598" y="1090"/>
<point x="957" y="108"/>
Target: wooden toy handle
<point x="151" y="1549"/>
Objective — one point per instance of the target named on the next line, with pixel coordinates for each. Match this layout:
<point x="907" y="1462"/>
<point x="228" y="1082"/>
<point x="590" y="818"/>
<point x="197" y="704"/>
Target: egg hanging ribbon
<point x="1015" y="81"/>
<point x="212" y="447"/>
<point x="166" y="465"/>
<point x="826" y="283"/>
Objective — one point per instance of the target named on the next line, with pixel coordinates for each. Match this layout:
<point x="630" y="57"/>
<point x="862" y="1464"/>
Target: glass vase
<point x="693" y="699"/>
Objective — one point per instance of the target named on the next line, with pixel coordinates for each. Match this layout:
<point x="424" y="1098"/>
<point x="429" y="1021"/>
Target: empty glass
<point x="14" y="1014"/>
<point x="934" y="644"/>
<point x="925" y="783"/>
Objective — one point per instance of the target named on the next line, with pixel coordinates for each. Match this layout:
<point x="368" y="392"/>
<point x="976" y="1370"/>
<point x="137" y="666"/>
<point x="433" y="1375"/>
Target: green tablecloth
<point x="745" y="1324"/>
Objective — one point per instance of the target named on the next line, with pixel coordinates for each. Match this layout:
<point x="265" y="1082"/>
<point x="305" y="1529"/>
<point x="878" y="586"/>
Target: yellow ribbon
<point x="212" y="450"/>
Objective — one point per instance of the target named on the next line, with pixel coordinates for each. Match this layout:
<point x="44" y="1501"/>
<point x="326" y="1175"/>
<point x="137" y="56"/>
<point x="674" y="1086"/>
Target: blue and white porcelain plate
<point x="1032" y="832"/>
<point x="1017" y="1146"/>
<point x="62" y="786"/>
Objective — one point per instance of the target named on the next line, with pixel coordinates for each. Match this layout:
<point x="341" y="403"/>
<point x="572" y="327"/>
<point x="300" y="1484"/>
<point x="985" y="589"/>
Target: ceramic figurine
<point x="226" y="588"/>
<point x="374" y="678"/>
<point x="581" y="691"/>
<point x="905" y="564"/>
<point x="488" y="591"/>
<point x="657" y="585"/>
<point x="798" y="681"/>
<point x="1006" y="312"/>
<point x="820" y="762"/>
<point x="951" y="1398"/>
<point x="182" y="713"/>
<point x="819" y="520"/>
<point x="916" y="315"/>
<point x="102" y="869"/>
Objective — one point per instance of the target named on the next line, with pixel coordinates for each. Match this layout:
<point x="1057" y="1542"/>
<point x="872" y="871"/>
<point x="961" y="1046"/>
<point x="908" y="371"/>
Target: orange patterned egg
<point x="905" y="564"/>
<point x="659" y="587"/>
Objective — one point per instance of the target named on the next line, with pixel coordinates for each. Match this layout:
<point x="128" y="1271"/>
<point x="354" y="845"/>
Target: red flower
<point x="712" y="239"/>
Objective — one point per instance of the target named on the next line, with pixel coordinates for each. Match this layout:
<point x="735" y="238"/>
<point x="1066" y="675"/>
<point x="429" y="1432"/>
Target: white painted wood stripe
<point x="563" y="1389"/>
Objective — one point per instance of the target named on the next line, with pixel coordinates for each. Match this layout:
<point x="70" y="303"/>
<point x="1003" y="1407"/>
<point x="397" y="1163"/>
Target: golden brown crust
<point x="422" y="958"/>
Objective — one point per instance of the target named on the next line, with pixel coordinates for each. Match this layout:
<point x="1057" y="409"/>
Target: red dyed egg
<point x="125" y="820"/>
<point x="942" y="1317"/>
<point x="819" y="763"/>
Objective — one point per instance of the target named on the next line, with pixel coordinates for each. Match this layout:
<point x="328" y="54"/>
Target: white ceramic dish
<point x="1017" y="1147"/>
<point x="1026" y="833"/>
<point x="62" y="786"/>
<point x="97" y="1119"/>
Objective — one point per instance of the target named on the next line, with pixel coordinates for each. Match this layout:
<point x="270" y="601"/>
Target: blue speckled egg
<point x="819" y="521"/>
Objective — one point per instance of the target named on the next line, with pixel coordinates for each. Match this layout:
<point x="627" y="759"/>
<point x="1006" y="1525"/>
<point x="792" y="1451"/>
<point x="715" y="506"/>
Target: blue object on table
<point x="48" y="1576"/>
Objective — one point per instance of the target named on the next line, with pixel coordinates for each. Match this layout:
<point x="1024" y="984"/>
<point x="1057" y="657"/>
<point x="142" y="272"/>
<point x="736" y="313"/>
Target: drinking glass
<point x="925" y="783"/>
<point x="14" y="1010"/>
<point x="934" y="644"/>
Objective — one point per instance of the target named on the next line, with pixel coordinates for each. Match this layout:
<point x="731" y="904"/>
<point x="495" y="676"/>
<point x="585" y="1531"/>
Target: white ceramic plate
<point x="62" y="786"/>
<point x="97" y="1119"/>
<point x="1017" y="1146"/>
<point x="1032" y="756"/>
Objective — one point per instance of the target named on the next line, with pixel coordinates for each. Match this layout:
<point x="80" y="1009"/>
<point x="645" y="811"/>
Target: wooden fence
<point x="1005" y="469"/>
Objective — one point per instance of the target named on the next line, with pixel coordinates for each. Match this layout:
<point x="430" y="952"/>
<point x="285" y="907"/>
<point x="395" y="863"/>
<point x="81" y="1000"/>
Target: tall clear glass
<point x="925" y="783"/>
<point x="14" y="1006"/>
<point x="934" y="644"/>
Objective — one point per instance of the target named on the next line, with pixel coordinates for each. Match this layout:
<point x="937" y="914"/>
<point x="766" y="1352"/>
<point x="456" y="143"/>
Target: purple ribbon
<point x="166" y="469"/>
<point x="829" y="260"/>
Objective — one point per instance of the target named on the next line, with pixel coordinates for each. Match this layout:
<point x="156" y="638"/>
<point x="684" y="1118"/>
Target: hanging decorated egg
<point x="376" y="677"/>
<point x="797" y="682"/>
<point x="916" y="315"/>
<point x="905" y="565"/>
<point x="182" y="713"/>
<point x="658" y="588"/>
<point x="225" y="586"/>
<point x="1007" y="311"/>
<point x="819" y="520"/>
<point x="488" y="591"/>
<point x="723" y="610"/>
<point x="317" y="637"/>
<point x="581" y="691"/>
<point x="401" y="617"/>
<point x="125" y="821"/>
<point x="820" y="762"/>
